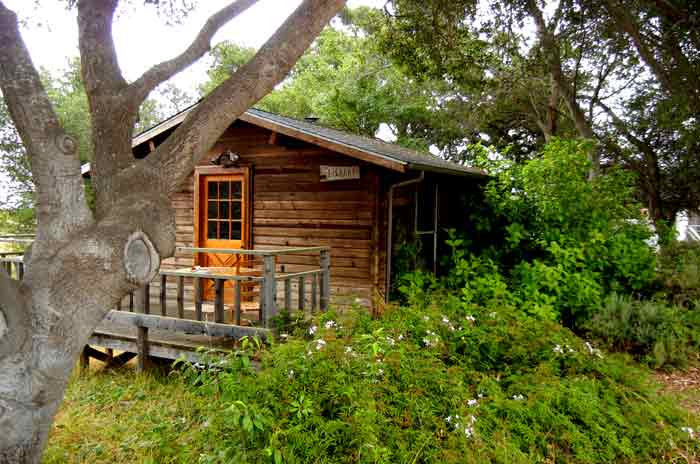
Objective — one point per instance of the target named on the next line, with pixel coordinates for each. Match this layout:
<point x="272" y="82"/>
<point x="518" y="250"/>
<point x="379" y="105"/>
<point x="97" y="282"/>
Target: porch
<point x="183" y="310"/>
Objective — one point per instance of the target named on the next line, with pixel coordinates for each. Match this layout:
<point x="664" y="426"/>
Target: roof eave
<point x="445" y="170"/>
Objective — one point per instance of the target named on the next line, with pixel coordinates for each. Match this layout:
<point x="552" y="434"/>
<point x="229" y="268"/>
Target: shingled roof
<point x="369" y="149"/>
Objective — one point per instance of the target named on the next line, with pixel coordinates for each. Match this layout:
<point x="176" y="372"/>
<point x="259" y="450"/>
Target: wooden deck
<point x="169" y="325"/>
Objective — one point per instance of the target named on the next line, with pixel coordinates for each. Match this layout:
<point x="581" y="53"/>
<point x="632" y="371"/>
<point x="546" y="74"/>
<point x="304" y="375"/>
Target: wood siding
<point x="292" y="207"/>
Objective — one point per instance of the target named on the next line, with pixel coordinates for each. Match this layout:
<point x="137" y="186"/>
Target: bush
<point x="450" y="382"/>
<point x="561" y="222"/>
<point x="679" y="272"/>
<point x="655" y="333"/>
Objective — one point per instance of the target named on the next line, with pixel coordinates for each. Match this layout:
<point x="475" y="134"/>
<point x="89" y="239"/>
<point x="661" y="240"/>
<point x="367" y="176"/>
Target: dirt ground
<point x="684" y="384"/>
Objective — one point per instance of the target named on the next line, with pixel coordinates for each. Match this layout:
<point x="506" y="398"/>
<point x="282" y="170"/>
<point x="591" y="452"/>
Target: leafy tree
<point x="592" y="69"/>
<point x="46" y="318"/>
<point x="345" y="82"/>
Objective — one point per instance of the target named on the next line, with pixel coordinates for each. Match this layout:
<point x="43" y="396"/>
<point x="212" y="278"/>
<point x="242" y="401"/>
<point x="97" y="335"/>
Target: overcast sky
<point x="142" y="38"/>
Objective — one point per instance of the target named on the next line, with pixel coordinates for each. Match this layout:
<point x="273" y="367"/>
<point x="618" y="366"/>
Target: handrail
<point x="244" y="251"/>
<point x="298" y="274"/>
<point x="319" y="279"/>
<point x="207" y="275"/>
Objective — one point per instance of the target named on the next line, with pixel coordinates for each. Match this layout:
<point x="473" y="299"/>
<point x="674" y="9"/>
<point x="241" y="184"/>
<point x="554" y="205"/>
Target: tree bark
<point x="81" y="265"/>
<point x="552" y="51"/>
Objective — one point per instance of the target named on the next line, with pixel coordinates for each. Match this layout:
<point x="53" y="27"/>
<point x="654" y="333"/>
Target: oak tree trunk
<point x="81" y="264"/>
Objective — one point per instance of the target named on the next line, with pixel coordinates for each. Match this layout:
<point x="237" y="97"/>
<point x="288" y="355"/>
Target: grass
<point x="119" y="416"/>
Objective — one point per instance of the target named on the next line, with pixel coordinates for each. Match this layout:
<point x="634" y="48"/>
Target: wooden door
<point x="222" y="222"/>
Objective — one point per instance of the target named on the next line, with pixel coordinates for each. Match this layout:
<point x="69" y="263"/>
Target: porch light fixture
<point x="227" y="159"/>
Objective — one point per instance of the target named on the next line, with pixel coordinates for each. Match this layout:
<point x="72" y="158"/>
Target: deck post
<point x="288" y="294"/>
<point x="269" y="291"/>
<point x="302" y="293"/>
<point x="20" y="269"/>
<point x="181" y="297"/>
<point x="131" y="302"/>
<point x="314" y="292"/>
<point x="325" y="279"/>
<point x="163" y="295"/>
<point x="143" y="302"/>
<point x="219" y="301"/>
<point x="142" y="348"/>
<point x="198" y="298"/>
<point x="237" y="302"/>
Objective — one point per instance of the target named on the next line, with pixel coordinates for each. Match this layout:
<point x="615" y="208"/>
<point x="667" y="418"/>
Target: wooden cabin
<point x="273" y="182"/>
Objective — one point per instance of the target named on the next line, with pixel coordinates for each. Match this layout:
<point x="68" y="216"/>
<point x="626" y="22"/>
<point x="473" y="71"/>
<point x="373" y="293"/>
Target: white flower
<point x="469" y="431"/>
<point x="400" y="337"/>
<point x="558" y="349"/>
<point x="348" y="349"/>
<point x="519" y="397"/>
<point x="426" y="318"/>
<point x="472" y="420"/>
<point x="449" y="419"/>
<point x="320" y="343"/>
<point x="380" y="372"/>
<point x="391" y="341"/>
<point x="445" y="320"/>
<point x="471" y="318"/>
<point x="593" y="351"/>
<point x="312" y="330"/>
<point x="330" y="324"/>
<point x="291" y="374"/>
<point x="284" y="335"/>
<point x="689" y="431"/>
<point x="472" y="402"/>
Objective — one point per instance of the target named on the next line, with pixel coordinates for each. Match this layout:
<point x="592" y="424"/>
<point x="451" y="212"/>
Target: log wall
<point x="292" y="207"/>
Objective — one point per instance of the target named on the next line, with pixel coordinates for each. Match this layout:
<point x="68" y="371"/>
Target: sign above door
<point x="331" y="173"/>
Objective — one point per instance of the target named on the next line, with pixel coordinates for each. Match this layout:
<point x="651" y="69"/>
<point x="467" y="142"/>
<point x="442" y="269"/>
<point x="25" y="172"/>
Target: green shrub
<point x="562" y="224"/>
<point x="449" y="382"/>
<point x="655" y="333"/>
<point x="679" y="272"/>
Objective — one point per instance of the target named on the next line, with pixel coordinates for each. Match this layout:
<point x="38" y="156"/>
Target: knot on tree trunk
<point x="141" y="260"/>
<point x="66" y="144"/>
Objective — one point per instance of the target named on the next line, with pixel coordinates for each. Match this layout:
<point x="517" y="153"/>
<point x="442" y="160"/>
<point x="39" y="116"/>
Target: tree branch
<point x="60" y="198"/>
<point x="179" y="154"/>
<point x="139" y="89"/>
<point x="630" y="26"/>
<point x="98" y="56"/>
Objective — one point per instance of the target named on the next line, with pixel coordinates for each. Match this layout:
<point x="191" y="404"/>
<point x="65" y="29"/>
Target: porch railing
<point x="275" y="287"/>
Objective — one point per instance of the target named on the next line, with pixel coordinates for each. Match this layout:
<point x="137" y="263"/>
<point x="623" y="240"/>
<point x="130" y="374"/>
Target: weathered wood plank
<point x="302" y="293"/>
<point x="141" y="348"/>
<point x="237" y="303"/>
<point x="325" y="279"/>
<point x="163" y="288"/>
<point x="198" y="298"/>
<point x="212" y="329"/>
<point x="219" y="300"/>
<point x="181" y="297"/>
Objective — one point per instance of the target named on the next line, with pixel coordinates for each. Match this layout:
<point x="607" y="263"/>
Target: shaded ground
<point x="685" y="385"/>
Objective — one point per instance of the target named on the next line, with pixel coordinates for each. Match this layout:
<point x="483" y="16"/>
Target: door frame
<point x="203" y="171"/>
